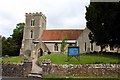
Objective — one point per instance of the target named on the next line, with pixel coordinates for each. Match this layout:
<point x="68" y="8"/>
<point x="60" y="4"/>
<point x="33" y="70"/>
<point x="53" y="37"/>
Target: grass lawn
<point x="63" y="59"/>
<point x="81" y="79"/>
<point x="84" y="59"/>
<point x="50" y="77"/>
<point x="16" y="59"/>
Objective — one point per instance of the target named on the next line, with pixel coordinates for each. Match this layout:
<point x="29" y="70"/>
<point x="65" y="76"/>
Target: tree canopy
<point x="103" y="21"/>
<point x="11" y="45"/>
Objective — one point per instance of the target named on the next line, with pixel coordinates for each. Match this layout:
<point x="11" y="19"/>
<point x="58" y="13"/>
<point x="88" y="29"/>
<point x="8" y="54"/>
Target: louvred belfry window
<point x="32" y="23"/>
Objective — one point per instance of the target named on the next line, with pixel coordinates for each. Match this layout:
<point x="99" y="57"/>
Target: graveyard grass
<point x="16" y="59"/>
<point x="84" y="59"/>
<point x="54" y="77"/>
<point x="63" y="59"/>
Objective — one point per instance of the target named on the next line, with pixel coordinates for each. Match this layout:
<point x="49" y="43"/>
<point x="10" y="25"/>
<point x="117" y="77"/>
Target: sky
<point x="61" y="14"/>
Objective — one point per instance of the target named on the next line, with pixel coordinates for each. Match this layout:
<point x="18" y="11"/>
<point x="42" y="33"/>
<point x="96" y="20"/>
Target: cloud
<point x="61" y="14"/>
<point x="71" y="15"/>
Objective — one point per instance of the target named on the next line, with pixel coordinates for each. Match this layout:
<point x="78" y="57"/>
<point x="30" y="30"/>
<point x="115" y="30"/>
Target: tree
<point x="6" y="46"/>
<point x="18" y="33"/>
<point x="103" y="21"/>
<point x="17" y="37"/>
<point x="63" y="45"/>
<point x="11" y="45"/>
<point x="0" y="45"/>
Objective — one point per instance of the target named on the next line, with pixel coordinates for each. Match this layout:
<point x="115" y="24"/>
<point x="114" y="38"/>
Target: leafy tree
<point x="6" y="45"/>
<point x="63" y="45"/>
<point x="91" y="37"/>
<point x="0" y="45"/>
<point x="17" y="37"/>
<point x="11" y="45"/>
<point x="103" y="20"/>
<point x="18" y="33"/>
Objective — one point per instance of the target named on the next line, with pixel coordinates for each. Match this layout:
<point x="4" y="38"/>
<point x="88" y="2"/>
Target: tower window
<point x="32" y="23"/>
<point x="31" y="34"/>
<point x="56" y="47"/>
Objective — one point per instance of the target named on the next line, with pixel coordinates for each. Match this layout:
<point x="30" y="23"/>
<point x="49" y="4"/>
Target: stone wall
<point x="16" y="70"/>
<point x="87" y="70"/>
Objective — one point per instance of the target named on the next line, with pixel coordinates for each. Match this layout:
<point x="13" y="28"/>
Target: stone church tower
<point x="35" y="23"/>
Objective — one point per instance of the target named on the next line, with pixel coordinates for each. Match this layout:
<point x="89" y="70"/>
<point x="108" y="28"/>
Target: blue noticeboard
<point x="73" y="51"/>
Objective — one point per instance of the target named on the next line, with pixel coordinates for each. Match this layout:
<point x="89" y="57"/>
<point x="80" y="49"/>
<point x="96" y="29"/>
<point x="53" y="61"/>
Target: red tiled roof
<point x="60" y="34"/>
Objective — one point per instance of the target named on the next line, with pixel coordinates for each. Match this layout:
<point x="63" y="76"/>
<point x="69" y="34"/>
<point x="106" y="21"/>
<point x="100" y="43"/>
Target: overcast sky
<point x="61" y="14"/>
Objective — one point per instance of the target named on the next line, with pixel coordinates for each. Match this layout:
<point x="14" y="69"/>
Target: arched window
<point x="91" y="46"/>
<point x="85" y="46"/>
<point x="32" y="23"/>
<point x="31" y="33"/>
<point x="56" y="47"/>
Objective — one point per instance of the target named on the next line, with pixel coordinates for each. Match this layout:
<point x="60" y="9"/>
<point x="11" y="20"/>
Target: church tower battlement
<point x="35" y="14"/>
<point x="35" y="23"/>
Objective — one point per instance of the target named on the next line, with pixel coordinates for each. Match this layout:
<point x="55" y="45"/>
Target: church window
<point x="85" y="46"/>
<point x="31" y="34"/>
<point x="91" y="46"/>
<point x="56" y="47"/>
<point x="32" y="23"/>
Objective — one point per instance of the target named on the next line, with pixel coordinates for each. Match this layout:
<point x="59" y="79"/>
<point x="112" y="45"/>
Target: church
<point x="37" y="37"/>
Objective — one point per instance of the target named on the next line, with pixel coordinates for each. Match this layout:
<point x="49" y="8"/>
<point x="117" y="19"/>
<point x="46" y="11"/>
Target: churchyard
<point x="65" y="69"/>
<point x="84" y="59"/>
<point x="62" y="59"/>
<point x="16" y="59"/>
<point x="91" y="66"/>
